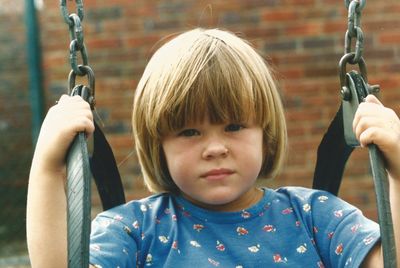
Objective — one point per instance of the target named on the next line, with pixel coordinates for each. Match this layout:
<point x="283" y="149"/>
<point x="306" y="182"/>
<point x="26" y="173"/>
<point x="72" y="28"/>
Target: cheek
<point x="258" y="152"/>
<point x="174" y="164"/>
<point x="181" y="171"/>
<point x="257" y="158"/>
<point x="177" y="161"/>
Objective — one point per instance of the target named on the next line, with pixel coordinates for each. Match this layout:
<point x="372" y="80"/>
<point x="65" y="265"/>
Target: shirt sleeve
<point x="352" y="239"/>
<point x="113" y="241"/>
<point x="343" y="235"/>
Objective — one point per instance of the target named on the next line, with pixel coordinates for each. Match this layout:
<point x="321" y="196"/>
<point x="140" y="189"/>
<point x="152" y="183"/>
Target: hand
<point x="63" y="121"/>
<point x="377" y="124"/>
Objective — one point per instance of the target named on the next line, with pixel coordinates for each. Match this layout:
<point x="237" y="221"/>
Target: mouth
<point x="217" y="174"/>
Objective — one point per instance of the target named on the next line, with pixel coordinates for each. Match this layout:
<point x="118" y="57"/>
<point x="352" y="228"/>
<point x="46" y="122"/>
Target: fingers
<point x="71" y="99"/>
<point x="74" y="114"/>
<point x="367" y="108"/>
<point x="60" y="126"/>
<point x="374" y="123"/>
<point x="372" y="99"/>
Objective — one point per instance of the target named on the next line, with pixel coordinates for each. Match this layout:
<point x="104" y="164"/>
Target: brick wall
<point x="15" y="127"/>
<point x="303" y="39"/>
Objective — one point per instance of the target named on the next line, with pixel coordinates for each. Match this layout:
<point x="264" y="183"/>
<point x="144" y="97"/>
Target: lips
<point x="217" y="174"/>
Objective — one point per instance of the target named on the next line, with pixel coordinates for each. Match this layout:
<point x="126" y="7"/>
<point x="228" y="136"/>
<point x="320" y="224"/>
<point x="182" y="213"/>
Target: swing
<point x="339" y="141"/>
<point x="102" y="164"/>
<point x="335" y="148"/>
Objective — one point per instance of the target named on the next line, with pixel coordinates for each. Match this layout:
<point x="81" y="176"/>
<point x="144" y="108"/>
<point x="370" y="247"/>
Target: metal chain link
<point x="65" y="12"/>
<point x="77" y="45"/>
<point x="360" y="7"/>
<point x="354" y="29"/>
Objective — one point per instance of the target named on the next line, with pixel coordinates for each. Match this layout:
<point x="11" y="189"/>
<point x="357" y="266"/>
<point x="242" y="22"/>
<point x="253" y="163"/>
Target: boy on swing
<point x="207" y="122"/>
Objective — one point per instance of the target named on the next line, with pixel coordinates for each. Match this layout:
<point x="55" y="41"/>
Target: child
<point x="207" y="122"/>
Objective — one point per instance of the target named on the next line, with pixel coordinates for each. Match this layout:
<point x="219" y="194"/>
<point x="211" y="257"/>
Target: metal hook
<point x="86" y="70"/>
<point x="348" y="58"/>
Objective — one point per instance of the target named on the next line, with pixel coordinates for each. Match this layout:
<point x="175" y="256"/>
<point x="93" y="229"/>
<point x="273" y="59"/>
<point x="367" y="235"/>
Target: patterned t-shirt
<point x="289" y="227"/>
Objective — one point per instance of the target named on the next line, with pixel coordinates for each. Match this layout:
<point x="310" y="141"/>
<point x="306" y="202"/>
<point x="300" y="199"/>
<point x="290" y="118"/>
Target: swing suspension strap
<point x="339" y="141"/>
<point x="80" y="167"/>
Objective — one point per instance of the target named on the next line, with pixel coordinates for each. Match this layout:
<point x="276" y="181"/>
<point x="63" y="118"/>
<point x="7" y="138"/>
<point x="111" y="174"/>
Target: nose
<point x="215" y="149"/>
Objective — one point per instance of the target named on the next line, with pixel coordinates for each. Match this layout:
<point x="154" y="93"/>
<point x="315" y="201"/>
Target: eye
<point x="234" y="127"/>
<point x="189" y="132"/>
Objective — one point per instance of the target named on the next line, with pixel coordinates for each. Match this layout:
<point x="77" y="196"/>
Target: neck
<point x="248" y="199"/>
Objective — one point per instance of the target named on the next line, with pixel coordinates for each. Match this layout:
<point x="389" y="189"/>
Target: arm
<point x="46" y="202"/>
<point x="374" y="123"/>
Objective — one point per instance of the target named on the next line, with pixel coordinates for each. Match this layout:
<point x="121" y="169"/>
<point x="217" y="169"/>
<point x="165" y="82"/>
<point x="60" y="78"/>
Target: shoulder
<point x="137" y="209"/>
<point x="300" y="191"/>
<point x="342" y="234"/>
<point x="305" y="195"/>
<point x="316" y="205"/>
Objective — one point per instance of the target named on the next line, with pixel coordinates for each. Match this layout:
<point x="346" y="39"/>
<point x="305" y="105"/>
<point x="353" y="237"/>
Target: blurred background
<point x="302" y="39"/>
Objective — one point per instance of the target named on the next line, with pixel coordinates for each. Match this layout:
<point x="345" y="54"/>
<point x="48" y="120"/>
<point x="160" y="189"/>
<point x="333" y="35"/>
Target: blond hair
<point x="204" y="72"/>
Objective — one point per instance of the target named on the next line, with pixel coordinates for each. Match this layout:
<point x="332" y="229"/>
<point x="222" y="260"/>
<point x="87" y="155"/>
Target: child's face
<point x="216" y="165"/>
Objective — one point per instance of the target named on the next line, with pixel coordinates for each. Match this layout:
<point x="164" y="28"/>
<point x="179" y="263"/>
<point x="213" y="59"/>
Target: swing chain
<point x="65" y="13"/>
<point x="354" y="57"/>
<point x="77" y="45"/>
<point x="361" y="4"/>
<point x="354" y="29"/>
<point x="354" y="89"/>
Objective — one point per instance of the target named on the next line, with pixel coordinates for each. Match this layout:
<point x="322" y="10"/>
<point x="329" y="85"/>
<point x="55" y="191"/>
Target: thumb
<point x="372" y="99"/>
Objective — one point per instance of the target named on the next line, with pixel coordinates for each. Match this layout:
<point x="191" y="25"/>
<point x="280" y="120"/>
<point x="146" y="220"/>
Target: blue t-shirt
<point x="289" y="227"/>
